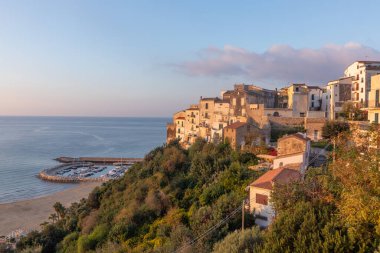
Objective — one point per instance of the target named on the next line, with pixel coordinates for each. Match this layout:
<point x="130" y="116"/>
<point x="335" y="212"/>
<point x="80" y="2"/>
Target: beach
<point x="29" y="214"/>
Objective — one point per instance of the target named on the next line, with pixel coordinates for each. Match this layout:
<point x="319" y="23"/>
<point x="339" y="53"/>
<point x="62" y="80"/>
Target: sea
<point x="30" y="144"/>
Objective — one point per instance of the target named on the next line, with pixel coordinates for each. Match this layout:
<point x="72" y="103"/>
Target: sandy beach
<point x="29" y="214"/>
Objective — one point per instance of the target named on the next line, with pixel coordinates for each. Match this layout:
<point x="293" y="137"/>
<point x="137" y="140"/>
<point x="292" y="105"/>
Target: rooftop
<point x="236" y="125"/>
<point x="282" y="176"/>
<point x="210" y="99"/>
<point x="299" y="136"/>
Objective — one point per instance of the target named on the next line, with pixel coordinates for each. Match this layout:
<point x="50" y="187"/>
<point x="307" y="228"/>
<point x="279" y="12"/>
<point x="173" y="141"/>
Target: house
<point x="235" y="134"/>
<point x="260" y="193"/>
<point x="293" y="150"/>
<point x="314" y="128"/>
<point x="374" y="100"/>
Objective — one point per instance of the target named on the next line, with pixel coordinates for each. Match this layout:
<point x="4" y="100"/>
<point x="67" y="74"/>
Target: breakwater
<point x="50" y="175"/>
<point x="99" y="160"/>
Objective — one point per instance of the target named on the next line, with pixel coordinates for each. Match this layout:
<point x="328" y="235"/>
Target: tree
<point x="53" y="217"/>
<point x="332" y="129"/>
<point x="60" y="210"/>
<point x="351" y="112"/>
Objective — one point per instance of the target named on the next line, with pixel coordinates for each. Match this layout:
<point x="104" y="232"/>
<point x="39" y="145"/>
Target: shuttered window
<point x="261" y="199"/>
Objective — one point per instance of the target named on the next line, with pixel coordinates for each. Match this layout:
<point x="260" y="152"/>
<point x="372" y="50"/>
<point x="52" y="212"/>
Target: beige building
<point x="206" y="110"/>
<point x="293" y="151"/>
<point x="192" y="116"/>
<point x="374" y="100"/>
<point x="260" y="193"/>
<point x="314" y="127"/>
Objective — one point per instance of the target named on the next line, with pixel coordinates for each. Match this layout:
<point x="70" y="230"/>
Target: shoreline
<point x="29" y="214"/>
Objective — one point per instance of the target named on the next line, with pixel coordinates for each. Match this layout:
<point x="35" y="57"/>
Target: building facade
<point x="361" y="72"/>
<point x="260" y="193"/>
<point x="374" y="100"/>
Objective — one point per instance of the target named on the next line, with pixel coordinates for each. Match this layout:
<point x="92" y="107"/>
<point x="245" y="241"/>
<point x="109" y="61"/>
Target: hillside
<point x="169" y="202"/>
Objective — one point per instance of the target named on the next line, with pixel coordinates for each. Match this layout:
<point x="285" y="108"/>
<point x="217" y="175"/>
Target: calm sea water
<point x="28" y="145"/>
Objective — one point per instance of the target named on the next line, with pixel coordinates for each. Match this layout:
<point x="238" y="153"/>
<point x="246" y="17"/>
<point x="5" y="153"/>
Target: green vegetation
<point x="175" y="196"/>
<point x="160" y="205"/>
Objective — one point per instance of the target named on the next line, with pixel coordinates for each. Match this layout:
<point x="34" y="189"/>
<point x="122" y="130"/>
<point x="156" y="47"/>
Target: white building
<point x="361" y="72"/>
<point x="315" y="97"/>
<point x="260" y="193"/>
<point x="337" y="92"/>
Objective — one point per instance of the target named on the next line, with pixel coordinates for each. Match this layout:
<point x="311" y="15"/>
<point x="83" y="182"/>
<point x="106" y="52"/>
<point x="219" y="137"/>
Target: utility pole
<point x="242" y="216"/>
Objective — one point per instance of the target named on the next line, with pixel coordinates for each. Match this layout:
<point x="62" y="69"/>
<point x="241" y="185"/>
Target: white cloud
<point x="280" y="63"/>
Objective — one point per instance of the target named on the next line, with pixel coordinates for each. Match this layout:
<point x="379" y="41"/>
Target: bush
<point x="240" y="241"/>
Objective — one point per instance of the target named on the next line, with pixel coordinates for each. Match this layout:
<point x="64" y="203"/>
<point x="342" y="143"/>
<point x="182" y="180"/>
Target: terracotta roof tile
<point x="282" y="175"/>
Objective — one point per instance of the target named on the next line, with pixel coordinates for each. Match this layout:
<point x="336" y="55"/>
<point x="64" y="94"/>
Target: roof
<point x="211" y="99"/>
<point x="236" y="125"/>
<point x="181" y="118"/>
<point x="314" y="87"/>
<point x="297" y="135"/>
<point x="192" y="109"/>
<point x="288" y="155"/>
<point x="282" y="176"/>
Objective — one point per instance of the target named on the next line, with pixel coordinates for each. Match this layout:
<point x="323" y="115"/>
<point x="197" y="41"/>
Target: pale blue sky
<point x="152" y="58"/>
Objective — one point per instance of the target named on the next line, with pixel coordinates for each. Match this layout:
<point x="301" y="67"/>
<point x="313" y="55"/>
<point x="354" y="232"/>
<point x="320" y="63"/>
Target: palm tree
<point x="53" y="217"/>
<point x="60" y="210"/>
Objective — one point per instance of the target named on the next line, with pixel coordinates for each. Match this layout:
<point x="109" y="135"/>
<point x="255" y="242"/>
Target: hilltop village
<point x="287" y="120"/>
<point x="259" y="113"/>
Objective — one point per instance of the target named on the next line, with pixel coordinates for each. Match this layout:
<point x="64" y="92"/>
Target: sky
<point x="153" y="58"/>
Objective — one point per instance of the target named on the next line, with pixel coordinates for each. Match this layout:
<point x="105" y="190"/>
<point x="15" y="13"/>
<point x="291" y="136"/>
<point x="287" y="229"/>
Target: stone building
<point x="293" y="150"/>
<point x="236" y="133"/>
<point x="260" y="193"/>
<point x="314" y="127"/>
<point x="244" y="99"/>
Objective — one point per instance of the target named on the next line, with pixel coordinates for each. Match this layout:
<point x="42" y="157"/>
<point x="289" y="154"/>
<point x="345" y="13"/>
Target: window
<point x="261" y="199"/>
<point x="302" y="114"/>
<point x="362" y="80"/>
<point x="377" y="98"/>
<point x="261" y="217"/>
<point x="297" y="89"/>
<point x="206" y="115"/>
<point x="179" y="131"/>
<point x="376" y="118"/>
<point x="206" y="106"/>
<point x="361" y="90"/>
<point x="312" y="97"/>
<point x="315" y="135"/>
<point x="312" y="104"/>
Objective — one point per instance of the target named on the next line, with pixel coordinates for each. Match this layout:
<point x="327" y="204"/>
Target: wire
<point x="212" y="228"/>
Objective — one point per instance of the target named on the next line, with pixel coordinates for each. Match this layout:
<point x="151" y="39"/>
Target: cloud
<point x="280" y="63"/>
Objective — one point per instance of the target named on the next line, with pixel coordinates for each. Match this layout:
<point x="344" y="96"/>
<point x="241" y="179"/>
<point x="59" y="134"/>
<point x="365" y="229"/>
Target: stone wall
<point x="278" y="122"/>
